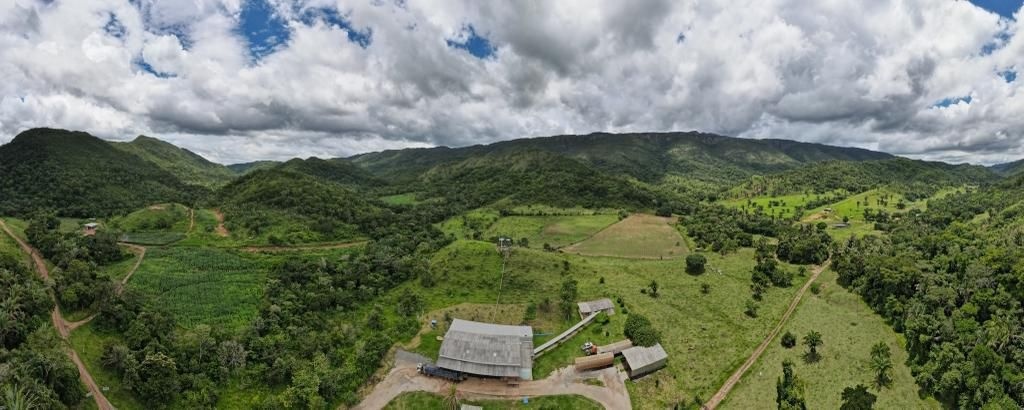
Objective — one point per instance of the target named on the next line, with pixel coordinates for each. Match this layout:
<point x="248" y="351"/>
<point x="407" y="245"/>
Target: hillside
<point x="77" y="174"/>
<point x="188" y="166"/>
<point x="247" y="167"/>
<point x="859" y="176"/>
<point x="1009" y="168"/>
<point x="333" y="170"/>
<point x="649" y="157"/>
<point x="533" y="177"/>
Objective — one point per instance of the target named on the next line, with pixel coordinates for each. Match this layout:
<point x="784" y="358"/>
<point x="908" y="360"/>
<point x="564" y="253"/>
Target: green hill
<point x="1009" y="168"/>
<point x="247" y="167"/>
<point x="334" y="170"/>
<point x="648" y="157"/>
<point x="186" y="165"/>
<point x="77" y="174"/>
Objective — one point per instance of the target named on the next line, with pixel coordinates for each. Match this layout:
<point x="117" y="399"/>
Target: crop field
<point x="707" y="336"/>
<point x="849" y="328"/>
<point x="638" y="236"/>
<point x="780" y="206"/>
<point x="203" y="285"/>
<point x="152" y="238"/>
<point x="429" y="401"/>
<point x="557" y="231"/>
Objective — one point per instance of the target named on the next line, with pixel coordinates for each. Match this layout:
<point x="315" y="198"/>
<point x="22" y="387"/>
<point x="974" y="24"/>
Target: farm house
<point x="486" y="349"/>
<point x="595" y="306"/>
<point x="641" y="361"/>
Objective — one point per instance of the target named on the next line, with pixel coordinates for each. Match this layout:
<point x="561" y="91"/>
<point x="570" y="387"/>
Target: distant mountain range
<point x="77" y="174"/>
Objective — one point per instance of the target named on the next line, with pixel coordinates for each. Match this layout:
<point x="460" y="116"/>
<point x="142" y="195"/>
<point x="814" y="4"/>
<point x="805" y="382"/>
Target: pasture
<point x="853" y="207"/>
<point x="782" y="206"/>
<point x="639" y="236"/>
<point x="155" y="218"/>
<point x="428" y="401"/>
<point x="556" y="231"/>
<point x="203" y="285"/>
<point x="706" y="335"/>
<point x="849" y="328"/>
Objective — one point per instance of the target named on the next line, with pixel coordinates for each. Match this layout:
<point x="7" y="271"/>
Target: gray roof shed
<point x="643" y="360"/>
<point x="588" y="307"/>
<point x="488" y="349"/>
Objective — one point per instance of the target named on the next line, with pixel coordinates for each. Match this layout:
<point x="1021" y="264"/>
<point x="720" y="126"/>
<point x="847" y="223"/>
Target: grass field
<point x="10" y="248"/>
<point x="89" y="344"/>
<point x="781" y="206"/>
<point x="853" y="208"/>
<point x="17" y="226"/>
<point x="638" y="236"/>
<point x="429" y="401"/>
<point x="706" y="336"/>
<point x="203" y="285"/>
<point x="849" y="328"/>
<point x="557" y="231"/>
<point x="155" y="218"/>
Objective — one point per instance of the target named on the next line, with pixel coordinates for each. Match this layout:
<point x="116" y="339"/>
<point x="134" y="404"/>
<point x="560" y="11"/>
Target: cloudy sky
<point x="239" y="80"/>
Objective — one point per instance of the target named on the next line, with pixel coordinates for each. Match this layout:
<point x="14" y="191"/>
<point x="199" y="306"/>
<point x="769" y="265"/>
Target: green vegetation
<point x="182" y="163"/>
<point x="400" y="199"/>
<point x="202" y="285"/>
<point x="556" y="231"/>
<point x="638" y="236"/>
<point x="154" y="218"/>
<point x="79" y="175"/>
<point x="785" y="206"/>
<point x="248" y="167"/>
<point x="428" y="401"/>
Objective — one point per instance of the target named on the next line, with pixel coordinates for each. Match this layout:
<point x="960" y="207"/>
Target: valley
<point x="310" y="283"/>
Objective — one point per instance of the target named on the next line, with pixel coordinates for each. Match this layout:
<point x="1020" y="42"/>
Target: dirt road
<point x="221" y="230"/>
<point x="735" y="378"/>
<point x="141" y="253"/>
<point x="191" y="220"/>
<point x="404" y="378"/>
<point x="59" y="323"/>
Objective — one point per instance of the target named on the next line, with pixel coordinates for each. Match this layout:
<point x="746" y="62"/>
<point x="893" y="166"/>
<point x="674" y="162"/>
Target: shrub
<point x="640" y="330"/>
<point x="751" y="309"/>
<point x="788" y="340"/>
<point x="695" y="263"/>
<point x="815" y="288"/>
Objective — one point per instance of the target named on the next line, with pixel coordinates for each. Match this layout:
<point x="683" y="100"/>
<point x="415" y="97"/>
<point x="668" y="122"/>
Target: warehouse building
<point x="486" y="349"/>
<point x="641" y="361"/>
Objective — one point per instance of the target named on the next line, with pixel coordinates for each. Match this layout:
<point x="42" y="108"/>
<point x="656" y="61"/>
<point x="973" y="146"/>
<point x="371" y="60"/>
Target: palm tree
<point x="812" y="340"/>
<point x="881" y="363"/>
<point x="18" y="399"/>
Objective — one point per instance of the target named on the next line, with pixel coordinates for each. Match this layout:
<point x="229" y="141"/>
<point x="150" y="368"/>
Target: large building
<point x="486" y="349"/>
<point x="642" y="361"/>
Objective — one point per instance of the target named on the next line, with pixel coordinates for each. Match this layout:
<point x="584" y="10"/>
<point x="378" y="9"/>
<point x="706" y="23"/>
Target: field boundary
<point x="723" y="392"/>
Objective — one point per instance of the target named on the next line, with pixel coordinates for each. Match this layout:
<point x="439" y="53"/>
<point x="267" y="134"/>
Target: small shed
<point x="841" y="225"/>
<point x="641" y="361"/>
<point x="595" y="306"/>
<point x="615" y="348"/>
<point x="89" y="229"/>
<point x="595" y="361"/>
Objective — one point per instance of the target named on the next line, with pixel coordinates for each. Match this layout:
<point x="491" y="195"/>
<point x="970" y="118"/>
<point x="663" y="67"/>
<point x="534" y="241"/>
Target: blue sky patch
<point x="1009" y="75"/>
<point x="996" y="43"/>
<point x="144" y="66"/>
<point x="263" y="28"/>
<point x="477" y="45"/>
<point x="333" y="18"/>
<point x="114" y="27"/>
<point x="946" y="102"/>
<point x="1004" y="8"/>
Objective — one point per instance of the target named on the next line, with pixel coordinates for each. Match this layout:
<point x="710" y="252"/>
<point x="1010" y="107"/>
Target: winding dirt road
<point x="221" y="230"/>
<point x="140" y="251"/>
<point x="60" y="324"/>
<point x="723" y="392"/>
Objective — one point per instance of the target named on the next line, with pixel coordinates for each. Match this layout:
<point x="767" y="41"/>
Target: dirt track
<point x="60" y="324"/>
<point x="141" y="252"/>
<point x="404" y="378"/>
<point x="723" y="392"/>
<point x="221" y="230"/>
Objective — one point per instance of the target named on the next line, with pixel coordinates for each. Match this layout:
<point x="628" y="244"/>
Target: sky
<point x="242" y="80"/>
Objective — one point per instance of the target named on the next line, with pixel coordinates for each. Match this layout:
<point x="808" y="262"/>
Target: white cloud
<point x="861" y="74"/>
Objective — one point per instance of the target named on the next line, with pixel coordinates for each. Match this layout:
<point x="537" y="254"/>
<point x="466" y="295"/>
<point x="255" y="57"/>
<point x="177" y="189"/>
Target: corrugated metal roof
<point x="639" y="357"/>
<point x="488" y="349"/>
<point x="596" y="305"/>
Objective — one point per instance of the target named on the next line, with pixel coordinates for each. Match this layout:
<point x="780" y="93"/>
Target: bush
<point x="788" y="340"/>
<point x="751" y="309"/>
<point x="695" y="264"/>
<point x="640" y="330"/>
<point x="815" y="288"/>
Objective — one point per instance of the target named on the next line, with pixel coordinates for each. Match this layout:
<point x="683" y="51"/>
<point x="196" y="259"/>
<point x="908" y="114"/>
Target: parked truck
<point x="434" y="371"/>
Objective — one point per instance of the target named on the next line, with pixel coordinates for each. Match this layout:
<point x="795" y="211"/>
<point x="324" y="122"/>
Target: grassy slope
<point x="184" y="164"/>
<point x="849" y="328"/>
<point x="428" y="401"/>
<point x="706" y="336"/>
<point x="639" y="236"/>
<point x="785" y="210"/>
<point x="558" y="231"/>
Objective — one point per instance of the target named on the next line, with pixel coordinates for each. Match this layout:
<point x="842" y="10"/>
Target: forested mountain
<point x="188" y="166"/>
<point x="534" y="176"/>
<point x="77" y="174"/>
<point x="335" y="170"/>
<point x="648" y="157"/>
<point x="247" y="167"/>
<point x="863" y="175"/>
<point x="1009" y="168"/>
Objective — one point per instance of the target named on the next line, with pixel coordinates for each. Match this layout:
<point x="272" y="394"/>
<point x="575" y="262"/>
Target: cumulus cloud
<point x="240" y="80"/>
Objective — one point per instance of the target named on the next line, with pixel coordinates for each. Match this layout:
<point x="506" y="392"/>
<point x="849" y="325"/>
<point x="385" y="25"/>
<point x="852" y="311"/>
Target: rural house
<point x="90" y="228"/>
<point x="641" y="361"/>
<point x="595" y="306"/>
<point x="486" y="349"/>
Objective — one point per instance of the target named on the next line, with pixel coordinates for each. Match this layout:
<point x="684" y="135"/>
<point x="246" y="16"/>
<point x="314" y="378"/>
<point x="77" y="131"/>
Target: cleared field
<point x="849" y="328"/>
<point x="470" y="225"/>
<point x="706" y="335"/>
<point x="781" y="206"/>
<point x="638" y="236"/>
<point x="853" y="208"/>
<point x="202" y="285"/>
<point x="161" y="217"/>
<point x="400" y="199"/>
<point x="429" y="401"/>
<point x="557" y="231"/>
